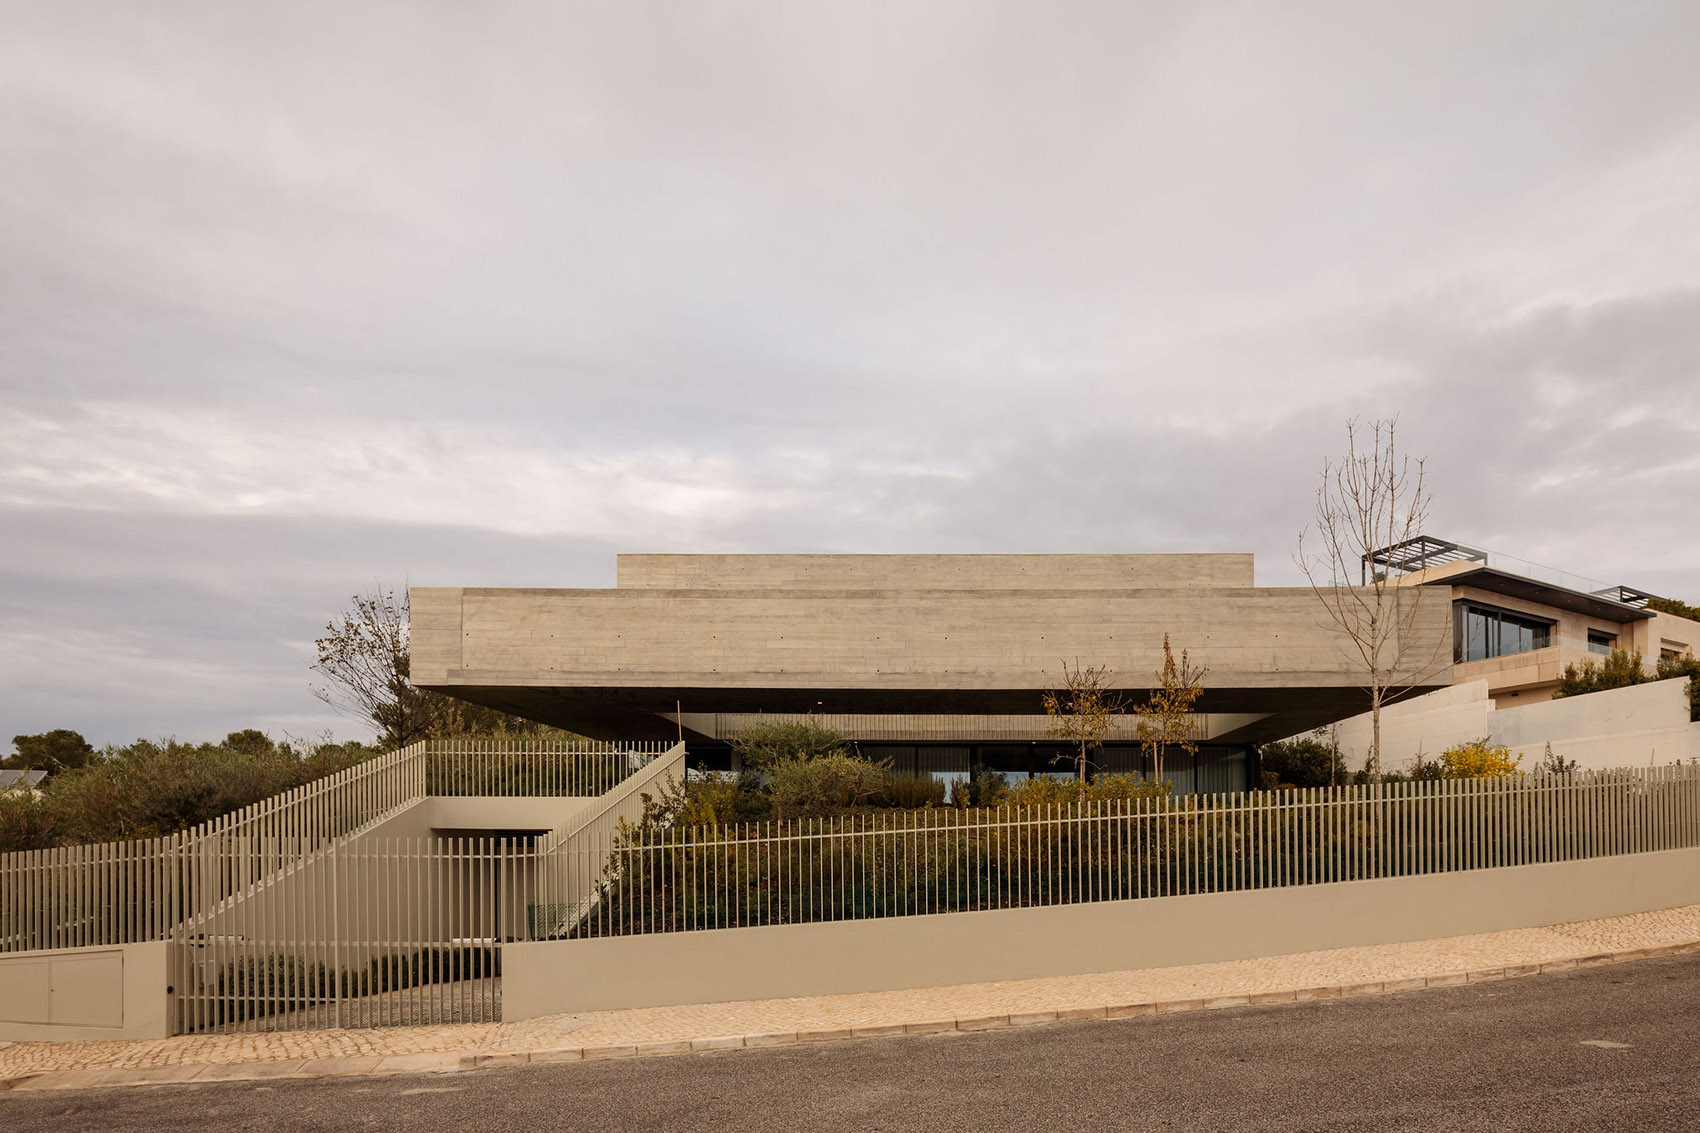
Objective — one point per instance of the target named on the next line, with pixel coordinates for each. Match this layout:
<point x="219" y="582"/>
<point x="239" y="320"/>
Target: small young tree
<point x="1083" y="711"/>
<point x="1554" y="764"/>
<point x="364" y="660"/>
<point x="1372" y="499"/>
<point x="1165" y="719"/>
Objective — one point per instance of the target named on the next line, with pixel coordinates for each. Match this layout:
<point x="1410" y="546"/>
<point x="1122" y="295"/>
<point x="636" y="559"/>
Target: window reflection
<point x="1484" y="632"/>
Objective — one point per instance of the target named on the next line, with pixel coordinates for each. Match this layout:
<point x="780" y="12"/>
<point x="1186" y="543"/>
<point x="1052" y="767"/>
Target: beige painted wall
<point x="931" y="572"/>
<point x="389" y="886"/>
<point x="1521" y="677"/>
<point x="1666" y="632"/>
<point x="85" y="994"/>
<point x="926" y="951"/>
<point x="390" y="890"/>
<point x="455" y="813"/>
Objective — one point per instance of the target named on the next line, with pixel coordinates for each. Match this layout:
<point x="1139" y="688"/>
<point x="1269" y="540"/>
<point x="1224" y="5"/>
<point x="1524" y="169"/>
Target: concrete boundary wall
<point x="722" y="965"/>
<point x="83" y="994"/>
<point x="1640" y="726"/>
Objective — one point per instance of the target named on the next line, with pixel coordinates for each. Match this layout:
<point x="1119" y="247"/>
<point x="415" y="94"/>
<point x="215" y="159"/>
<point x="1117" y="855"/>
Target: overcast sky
<point x="296" y="298"/>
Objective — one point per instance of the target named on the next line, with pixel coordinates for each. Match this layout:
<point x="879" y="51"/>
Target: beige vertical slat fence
<point x="290" y="915"/>
<point x="294" y="914"/>
<point x="887" y="864"/>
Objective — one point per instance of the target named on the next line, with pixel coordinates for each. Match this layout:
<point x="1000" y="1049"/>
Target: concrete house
<point x="939" y="662"/>
<point x="936" y="662"/>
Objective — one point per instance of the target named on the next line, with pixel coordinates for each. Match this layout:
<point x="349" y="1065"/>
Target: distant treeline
<point x="149" y="788"/>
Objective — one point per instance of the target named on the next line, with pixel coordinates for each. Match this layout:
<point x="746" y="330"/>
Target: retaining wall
<point x="722" y="965"/>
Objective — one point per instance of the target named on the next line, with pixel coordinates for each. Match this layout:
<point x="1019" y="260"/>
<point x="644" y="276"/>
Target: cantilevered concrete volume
<point x="943" y="649"/>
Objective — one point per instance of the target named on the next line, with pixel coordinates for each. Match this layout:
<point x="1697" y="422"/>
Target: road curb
<point x="451" y="1062"/>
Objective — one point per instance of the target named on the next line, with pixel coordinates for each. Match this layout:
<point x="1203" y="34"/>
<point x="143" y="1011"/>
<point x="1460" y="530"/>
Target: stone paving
<point x="757" y="1022"/>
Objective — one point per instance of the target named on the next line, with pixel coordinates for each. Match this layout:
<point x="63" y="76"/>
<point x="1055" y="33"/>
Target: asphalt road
<point x="1606" y="1048"/>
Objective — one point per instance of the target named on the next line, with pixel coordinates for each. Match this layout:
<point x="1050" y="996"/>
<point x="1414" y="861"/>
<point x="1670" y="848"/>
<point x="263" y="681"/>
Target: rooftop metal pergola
<point x="1420" y="553"/>
<point x="1628" y="595"/>
<point x="1424" y="551"/>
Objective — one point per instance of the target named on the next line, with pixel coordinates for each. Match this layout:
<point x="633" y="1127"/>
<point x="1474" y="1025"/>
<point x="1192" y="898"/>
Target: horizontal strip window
<point x="1481" y="632"/>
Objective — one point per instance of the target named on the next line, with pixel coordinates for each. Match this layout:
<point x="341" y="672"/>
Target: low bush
<point x="1303" y="762"/>
<point x="761" y="746"/>
<point x="1671" y="668"/>
<point x="911" y="792"/>
<point x="430" y="966"/>
<point x="824" y="784"/>
<point x="1478" y="759"/>
<point x="254" y="987"/>
<point x="1623" y="669"/>
<point x="1042" y="790"/>
<point x="1552" y="764"/>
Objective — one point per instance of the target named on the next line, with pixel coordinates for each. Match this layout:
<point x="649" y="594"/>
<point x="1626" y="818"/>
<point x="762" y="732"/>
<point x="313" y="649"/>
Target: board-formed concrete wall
<point x="867" y="635"/>
<point x="721" y="965"/>
<point x="932" y="572"/>
<point x="1271" y="638"/>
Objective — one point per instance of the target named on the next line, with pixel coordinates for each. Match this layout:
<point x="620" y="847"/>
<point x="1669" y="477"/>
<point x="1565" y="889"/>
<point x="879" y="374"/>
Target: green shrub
<point x="1621" y="668"/>
<point x="1552" y="764"/>
<point x="1303" y="762"/>
<point x="253" y="987"/>
<point x="1675" y="608"/>
<point x="824" y="784"/>
<point x="911" y="792"/>
<point x="989" y="788"/>
<point x="1685" y="666"/>
<point x="760" y="746"/>
<point x="1426" y="770"/>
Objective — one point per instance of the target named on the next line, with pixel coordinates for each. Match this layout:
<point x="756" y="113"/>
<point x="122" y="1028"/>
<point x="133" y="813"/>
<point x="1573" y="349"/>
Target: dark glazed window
<point x="1599" y="641"/>
<point x="1482" y="632"/>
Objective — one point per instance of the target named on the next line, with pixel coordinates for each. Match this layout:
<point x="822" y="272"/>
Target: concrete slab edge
<point x="449" y="1062"/>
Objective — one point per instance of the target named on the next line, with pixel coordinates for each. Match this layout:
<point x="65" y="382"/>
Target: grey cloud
<point x="297" y="299"/>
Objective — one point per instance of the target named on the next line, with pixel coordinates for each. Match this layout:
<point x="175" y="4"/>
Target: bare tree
<point x="1165" y="719"/>
<point x="364" y="660"/>
<point x="1083" y="711"/>
<point x="1372" y="499"/>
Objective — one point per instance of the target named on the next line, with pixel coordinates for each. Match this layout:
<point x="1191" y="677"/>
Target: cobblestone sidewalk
<point x="661" y="1030"/>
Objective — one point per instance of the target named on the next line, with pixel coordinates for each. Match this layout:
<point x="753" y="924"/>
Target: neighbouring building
<point x="21" y="780"/>
<point x="1517" y="624"/>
